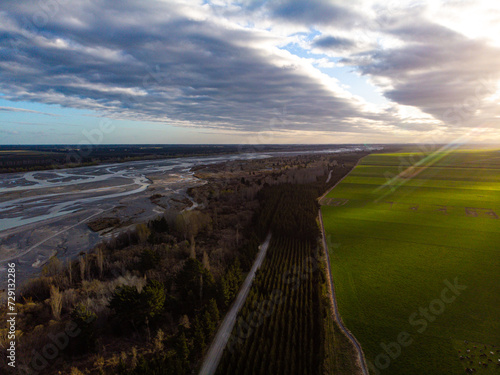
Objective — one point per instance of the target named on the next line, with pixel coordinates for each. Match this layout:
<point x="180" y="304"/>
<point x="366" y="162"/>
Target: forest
<point x="149" y="300"/>
<point x="24" y="158"/>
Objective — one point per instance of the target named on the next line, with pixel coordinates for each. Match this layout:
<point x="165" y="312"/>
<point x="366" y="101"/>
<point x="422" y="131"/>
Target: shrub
<point x="37" y="289"/>
<point x="85" y="320"/>
<point x="134" y="307"/>
<point x="53" y="267"/>
<point x="126" y="301"/>
<point x="149" y="259"/>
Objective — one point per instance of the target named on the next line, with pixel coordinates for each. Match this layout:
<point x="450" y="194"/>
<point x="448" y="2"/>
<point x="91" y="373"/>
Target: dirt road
<point x="215" y="351"/>
<point x="338" y="319"/>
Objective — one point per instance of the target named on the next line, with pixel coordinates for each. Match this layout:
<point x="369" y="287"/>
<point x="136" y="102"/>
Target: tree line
<point x="279" y="330"/>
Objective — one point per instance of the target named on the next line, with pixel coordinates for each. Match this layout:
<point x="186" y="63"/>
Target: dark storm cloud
<point x="152" y="61"/>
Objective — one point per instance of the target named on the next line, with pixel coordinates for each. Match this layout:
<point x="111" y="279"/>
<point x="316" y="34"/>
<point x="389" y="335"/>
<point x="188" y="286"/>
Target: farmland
<point x="416" y="262"/>
<point x="279" y="329"/>
<point x="281" y="347"/>
<point x="285" y="325"/>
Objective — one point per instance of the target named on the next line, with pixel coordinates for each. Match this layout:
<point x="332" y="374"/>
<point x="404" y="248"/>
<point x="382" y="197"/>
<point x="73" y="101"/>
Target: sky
<point x="249" y="71"/>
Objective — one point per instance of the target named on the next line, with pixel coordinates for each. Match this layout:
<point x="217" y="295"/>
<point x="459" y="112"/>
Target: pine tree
<point x="208" y="324"/>
<point x="153" y="298"/>
<point x="198" y="336"/>
<point x="182" y="348"/>
<point x="214" y="310"/>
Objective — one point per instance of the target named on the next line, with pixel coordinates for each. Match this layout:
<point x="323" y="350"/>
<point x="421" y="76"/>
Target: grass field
<point x="416" y="259"/>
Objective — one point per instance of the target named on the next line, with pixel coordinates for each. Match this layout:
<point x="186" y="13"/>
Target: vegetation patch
<point x="103" y="223"/>
<point x="401" y="241"/>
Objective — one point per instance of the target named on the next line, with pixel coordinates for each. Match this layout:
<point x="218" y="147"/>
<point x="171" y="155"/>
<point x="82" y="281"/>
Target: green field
<point x="402" y="224"/>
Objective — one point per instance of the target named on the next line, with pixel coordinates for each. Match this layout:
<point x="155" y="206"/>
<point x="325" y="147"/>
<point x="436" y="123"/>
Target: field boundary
<point x="336" y="314"/>
<point x="339" y="181"/>
<point x="335" y="311"/>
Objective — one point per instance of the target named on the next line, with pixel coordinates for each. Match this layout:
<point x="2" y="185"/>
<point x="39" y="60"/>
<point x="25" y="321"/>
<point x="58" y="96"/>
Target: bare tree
<point x="82" y="268"/>
<point x="55" y="302"/>
<point x="100" y="261"/>
<point x="206" y="261"/>
<point x="70" y="271"/>
<point x="143" y="232"/>
<point x="192" y="252"/>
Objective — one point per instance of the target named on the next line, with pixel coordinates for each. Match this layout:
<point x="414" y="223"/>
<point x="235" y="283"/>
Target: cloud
<point x="231" y="66"/>
<point x="313" y="12"/>
<point x="437" y="70"/>
<point x="13" y="109"/>
<point x="9" y="132"/>
<point x="333" y="43"/>
<point x="160" y="63"/>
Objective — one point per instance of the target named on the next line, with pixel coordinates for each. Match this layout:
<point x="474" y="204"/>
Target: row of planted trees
<point x="279" y="329"/>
